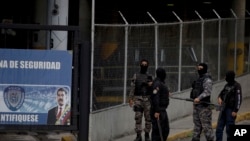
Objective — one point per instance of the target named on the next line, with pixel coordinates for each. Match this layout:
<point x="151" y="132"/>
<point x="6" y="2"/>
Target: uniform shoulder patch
<point x="155" y="91"/>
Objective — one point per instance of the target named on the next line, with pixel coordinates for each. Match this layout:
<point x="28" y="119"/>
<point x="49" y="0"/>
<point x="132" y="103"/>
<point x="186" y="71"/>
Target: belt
<point x="144" y="98"/>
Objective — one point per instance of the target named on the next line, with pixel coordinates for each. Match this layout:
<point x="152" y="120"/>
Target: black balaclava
<point x="161" y="74"/>
<point x="204" y="70"/>
<point x="230" y="75"/>
<point x="144" y="68"/>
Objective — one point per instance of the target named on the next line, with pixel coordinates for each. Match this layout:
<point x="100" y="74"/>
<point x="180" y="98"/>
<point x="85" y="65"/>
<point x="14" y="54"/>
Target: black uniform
<point x="231" y="97"/>
<point x="159" y="104"/>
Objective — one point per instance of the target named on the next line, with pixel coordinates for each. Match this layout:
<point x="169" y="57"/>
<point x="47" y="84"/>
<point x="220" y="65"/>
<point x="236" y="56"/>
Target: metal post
<point x="180" y="52"/>
<point x="156" y="39"/>
<point x="125" y="58"/>
<point x="248" y="64"/>
<point x="202" y="36"/>
<point x="85" y="120"/>
<point x="91" y="65"/>
<point x="92" y="53"/>
<point x="58" y="15"/>
<point x="219" y="44"/>
<point x="235" y="41"/>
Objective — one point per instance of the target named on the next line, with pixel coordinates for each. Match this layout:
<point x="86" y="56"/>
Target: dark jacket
<point x="160" y="96"/>
<point x="64" y="120"/>
<point x="231" y="96"/>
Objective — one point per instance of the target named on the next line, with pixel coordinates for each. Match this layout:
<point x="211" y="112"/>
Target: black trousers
<point x="164" y="123"/>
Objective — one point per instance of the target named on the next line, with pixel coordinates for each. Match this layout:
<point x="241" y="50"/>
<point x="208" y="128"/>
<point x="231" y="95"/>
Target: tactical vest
<point x="198" y="88"/>
<point x="141" y="85"/>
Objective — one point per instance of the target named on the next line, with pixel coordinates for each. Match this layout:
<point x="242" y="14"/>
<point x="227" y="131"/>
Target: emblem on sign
<point x="14" y="97"/>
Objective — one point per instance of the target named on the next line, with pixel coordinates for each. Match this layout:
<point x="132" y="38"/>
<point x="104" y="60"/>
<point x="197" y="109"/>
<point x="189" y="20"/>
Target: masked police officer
<point x="139" y="99"/>
<point x="159" y="104"/>
<point x="202" y="112"/>
<point x="230" y="99"/>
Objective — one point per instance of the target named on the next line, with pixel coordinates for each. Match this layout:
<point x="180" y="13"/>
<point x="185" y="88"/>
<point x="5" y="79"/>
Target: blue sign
<point x="33" y="83"/>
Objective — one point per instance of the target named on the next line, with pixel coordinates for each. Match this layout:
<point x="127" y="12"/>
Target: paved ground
<point x="245" y="122"/>
<point x="182" y="128"/>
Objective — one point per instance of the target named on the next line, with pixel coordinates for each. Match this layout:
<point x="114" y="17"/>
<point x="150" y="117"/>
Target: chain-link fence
<point x="222" y="43"/>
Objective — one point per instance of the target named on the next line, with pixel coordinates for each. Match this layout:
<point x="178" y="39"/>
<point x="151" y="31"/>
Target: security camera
<point x="55" y="12"/>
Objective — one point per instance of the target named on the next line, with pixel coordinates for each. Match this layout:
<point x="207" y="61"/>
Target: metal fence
<point x="223" y="43"/>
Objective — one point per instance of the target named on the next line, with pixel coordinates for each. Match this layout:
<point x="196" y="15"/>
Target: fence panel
<point x="213" y="41"/>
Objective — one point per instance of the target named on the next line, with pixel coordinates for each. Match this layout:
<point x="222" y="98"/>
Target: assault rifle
<point x="192" y="100"/>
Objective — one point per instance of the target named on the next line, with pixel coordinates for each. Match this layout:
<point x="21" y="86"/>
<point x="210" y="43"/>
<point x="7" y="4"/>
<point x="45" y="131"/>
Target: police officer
<point x="230" y="99"/>
<point x="202" y="112"/>
<point x="159" y="104"/>
<point x="139" y="99"/>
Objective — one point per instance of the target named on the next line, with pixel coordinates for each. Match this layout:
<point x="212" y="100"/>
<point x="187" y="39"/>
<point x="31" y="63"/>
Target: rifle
<point x="192" y="100"/>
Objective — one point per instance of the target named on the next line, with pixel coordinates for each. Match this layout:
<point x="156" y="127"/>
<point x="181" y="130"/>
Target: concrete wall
<point x="119" y="121"/>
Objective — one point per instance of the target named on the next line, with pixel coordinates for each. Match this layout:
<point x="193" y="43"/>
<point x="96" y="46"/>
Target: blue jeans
<point x="225" y="119"/>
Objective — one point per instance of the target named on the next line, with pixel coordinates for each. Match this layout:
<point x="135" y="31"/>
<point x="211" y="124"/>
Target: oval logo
<point x="14" y="97"/>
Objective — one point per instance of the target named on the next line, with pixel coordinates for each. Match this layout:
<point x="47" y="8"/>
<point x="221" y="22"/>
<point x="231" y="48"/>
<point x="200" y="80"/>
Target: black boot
<point x="147" y="138"/>
<point x="138" y="137"/>
<point x="193" y="139"/>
